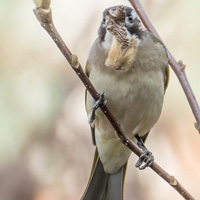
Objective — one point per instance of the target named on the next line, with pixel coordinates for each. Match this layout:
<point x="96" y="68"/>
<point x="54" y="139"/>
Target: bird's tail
<point x="104" y="186"/>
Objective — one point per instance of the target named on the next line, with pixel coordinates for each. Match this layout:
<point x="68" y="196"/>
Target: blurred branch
<point x="45" y="18"/>
<point x="178" y="67"/>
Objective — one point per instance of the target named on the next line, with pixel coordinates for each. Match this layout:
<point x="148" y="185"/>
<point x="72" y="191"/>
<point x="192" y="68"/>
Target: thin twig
<point x="45" y="18"/>
<point x="177" y="67"/>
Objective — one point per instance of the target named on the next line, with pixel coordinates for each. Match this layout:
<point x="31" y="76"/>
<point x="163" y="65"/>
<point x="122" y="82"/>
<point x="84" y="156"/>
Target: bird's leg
<point x="146" y="159"/>
<point x="99" y="103"/>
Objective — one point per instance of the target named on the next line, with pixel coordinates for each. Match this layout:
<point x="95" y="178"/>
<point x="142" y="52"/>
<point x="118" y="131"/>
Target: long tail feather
<point x="104" y="186"/>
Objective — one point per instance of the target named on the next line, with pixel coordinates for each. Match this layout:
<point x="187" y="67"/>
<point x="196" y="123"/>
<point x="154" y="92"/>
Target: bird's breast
<point x="135" y="98"/>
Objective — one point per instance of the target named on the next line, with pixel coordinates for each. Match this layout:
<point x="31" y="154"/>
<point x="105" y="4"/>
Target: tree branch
<point x="178" y="67"/>
<point x="45" y="18"/>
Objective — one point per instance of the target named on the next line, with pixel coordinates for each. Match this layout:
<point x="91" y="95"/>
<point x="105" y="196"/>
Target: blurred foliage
<point x="45" y="144"/>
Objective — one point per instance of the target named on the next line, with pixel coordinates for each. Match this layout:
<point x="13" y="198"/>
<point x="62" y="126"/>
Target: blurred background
<point x="45" y="144"/>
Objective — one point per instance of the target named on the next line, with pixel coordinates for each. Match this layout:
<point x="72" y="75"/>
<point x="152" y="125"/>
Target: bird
<point x="132" y="84"/>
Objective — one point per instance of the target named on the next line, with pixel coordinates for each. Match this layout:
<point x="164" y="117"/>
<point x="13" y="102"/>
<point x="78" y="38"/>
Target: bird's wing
<point x="167" y="75"/>
<point x="167" y="72"/>
<point x="87" y="72"/>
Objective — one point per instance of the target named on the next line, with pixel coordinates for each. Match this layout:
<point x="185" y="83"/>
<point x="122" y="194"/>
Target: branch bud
<point x="74" y="61"/>
<point x="44" y="4"/>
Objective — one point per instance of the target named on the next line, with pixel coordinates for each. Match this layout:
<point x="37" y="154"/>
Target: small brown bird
<point x="130" y="66"/>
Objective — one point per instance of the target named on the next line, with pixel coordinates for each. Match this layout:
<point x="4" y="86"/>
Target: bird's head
<point x="132" y="25"/>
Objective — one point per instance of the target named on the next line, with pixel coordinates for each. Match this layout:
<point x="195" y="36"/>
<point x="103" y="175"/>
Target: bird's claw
<point x="91" y="118"/>
<point x="145" y="160"/>
<point x="100" y="102"/>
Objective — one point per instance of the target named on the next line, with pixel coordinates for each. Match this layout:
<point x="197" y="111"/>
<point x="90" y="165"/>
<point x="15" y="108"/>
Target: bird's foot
<point x="146" y="158"/>
<point x="91" y="119"/>
<point x="100" y="102"/>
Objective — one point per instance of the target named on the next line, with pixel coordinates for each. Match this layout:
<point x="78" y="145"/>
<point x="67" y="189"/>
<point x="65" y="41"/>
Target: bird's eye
<point x="104" y="20"/>
<point x="130" y="19"/>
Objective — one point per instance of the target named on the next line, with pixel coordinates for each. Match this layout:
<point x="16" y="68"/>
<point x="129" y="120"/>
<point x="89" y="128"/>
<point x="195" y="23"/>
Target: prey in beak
<point x="116" y="39"/>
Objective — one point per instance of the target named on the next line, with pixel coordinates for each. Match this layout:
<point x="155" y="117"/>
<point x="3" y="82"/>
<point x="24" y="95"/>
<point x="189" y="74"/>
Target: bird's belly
<point x="136" y="104"/>
<point x="135" y="101"/>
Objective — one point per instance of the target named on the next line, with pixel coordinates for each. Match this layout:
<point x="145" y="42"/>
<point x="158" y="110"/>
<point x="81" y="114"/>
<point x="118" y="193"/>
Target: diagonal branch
<point x="44" y="16"/>
<point x="176" y="66"/>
